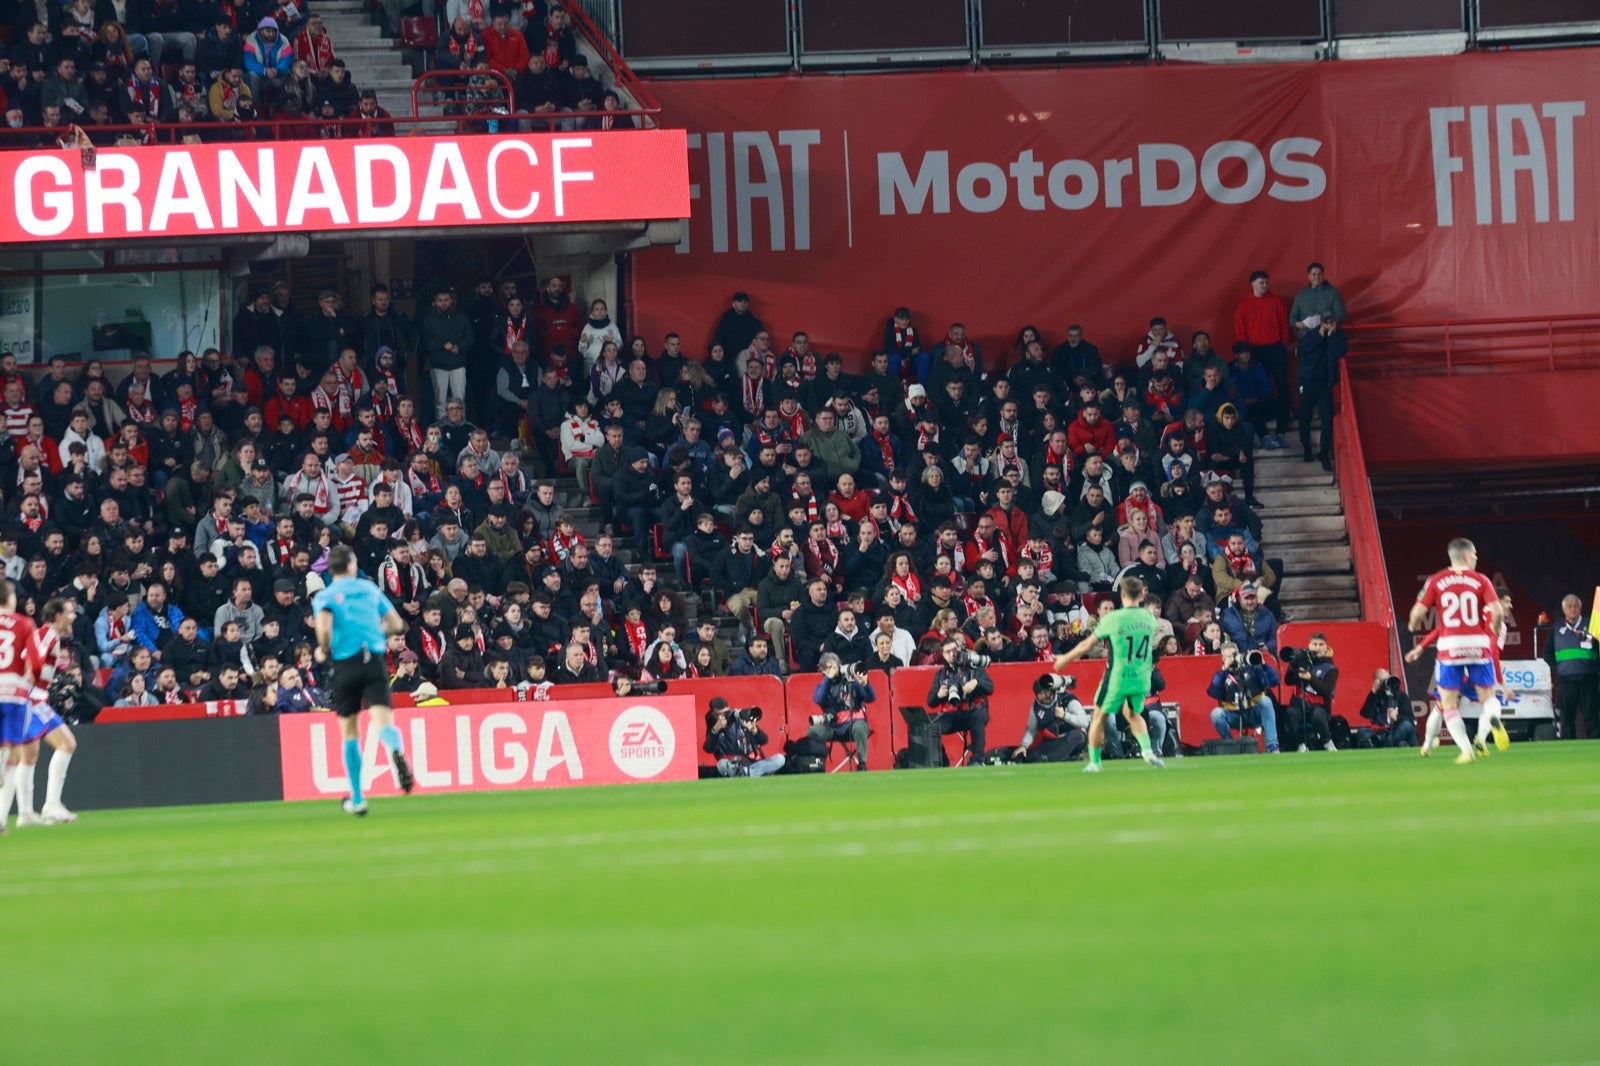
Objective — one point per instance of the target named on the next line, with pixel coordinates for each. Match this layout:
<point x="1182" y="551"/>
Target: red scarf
<point x="383" y="407"/>
<point x="466" y="50"/>
<point x="822" y="558"/>
<point x="145" y="97"/>
<point x="910" y="586"/>
<point x="904" y="338"/>
<point x="900" y="509"/>
<point x="316" y="51"/>
<point x="432" y="646"/>
<point x="755" y="398"/>
<point x="516" y="330"/>
<point x="838" y="531"/>
<point x="350" y="384"/>
<point x="972" y="606"/>
<point x="968" y="356"/>
<point x="796" y="422"/>
<point x="1043" y="558"/>
<point x="885" y="448"/>
<point x="813" y="512"/>
<point x="807" y="363"/>
<point x="561" y="547"/>
<point x="552" y="48"/>
<point x="638" y="638"/>
<point x="423" y="486"/>
<point x="410" y="433"/>
<point x="187" y="411"/>
<point x="1242" y="564"/>
<point x="923" y="440"/>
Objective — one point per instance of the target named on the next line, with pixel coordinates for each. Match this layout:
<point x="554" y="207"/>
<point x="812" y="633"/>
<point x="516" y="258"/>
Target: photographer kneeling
<point x="958" y="699"/>
<point x="1389" y="710"/>
<point x="1240" y="689"/>
<point x="736" y="738"/>
<point x="842" y="696"/>
<point x="1314" y="678"/>
<point x="1058" y="726"/>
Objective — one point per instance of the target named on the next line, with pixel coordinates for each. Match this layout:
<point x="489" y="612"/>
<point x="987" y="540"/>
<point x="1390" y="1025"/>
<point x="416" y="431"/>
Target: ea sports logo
<point x="642" y="742"/>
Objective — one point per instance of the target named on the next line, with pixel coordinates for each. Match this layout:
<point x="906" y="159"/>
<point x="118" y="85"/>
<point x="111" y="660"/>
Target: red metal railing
<point x="266" y="129"/>
<point x="452" y="92"/>
<point x="1475" y="346"/>
<point x="1361" y="521"/>
<point x="645" y="103"/>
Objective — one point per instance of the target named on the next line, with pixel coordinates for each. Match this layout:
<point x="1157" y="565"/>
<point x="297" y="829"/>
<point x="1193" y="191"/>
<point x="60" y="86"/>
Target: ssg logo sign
<point x="642" y="742"/>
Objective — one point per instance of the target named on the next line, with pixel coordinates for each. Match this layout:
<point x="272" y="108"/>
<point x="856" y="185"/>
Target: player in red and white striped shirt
<point x="1468" y="614"/>
<point x="29" y="659"/>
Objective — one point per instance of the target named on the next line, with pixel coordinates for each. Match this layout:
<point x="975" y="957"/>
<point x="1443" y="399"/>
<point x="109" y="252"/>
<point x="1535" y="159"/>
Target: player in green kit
<point x="1131" y="635"/>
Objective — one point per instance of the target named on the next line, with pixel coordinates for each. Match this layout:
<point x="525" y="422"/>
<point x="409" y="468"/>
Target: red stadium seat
<point x="418" y="31"/>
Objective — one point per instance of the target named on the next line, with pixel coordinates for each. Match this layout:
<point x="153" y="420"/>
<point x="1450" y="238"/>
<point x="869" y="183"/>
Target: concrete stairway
<point x="1303" y="524"/>
<point x="375" y="61"/>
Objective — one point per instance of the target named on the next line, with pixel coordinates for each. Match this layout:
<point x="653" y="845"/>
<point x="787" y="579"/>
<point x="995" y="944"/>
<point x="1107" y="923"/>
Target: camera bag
<point x="805" y="755"/>
<point x="1236" y="746"/>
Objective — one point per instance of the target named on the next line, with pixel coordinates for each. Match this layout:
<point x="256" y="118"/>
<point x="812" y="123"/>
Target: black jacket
<point x="737" y="742"/>
<point x="1320" y="357"/>
<point x="732" y="571"/>
<point x="810" y="626"/>
<point x="957" y="677"/>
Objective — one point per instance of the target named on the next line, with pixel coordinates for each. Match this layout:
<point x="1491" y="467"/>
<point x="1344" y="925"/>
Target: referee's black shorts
<point x="360" y="678"/>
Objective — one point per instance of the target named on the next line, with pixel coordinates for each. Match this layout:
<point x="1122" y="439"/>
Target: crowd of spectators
<point x="100" y="66"/>
<point x="944" y="493"/>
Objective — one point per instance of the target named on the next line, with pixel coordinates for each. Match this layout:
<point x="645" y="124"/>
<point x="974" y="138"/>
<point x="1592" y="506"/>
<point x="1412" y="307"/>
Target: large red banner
<point x="394" y="183"/>
<point x="483" y="747"/>
<point x="1431" y="189"/>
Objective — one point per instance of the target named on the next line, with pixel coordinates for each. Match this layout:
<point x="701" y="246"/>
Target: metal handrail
<point x="1547" y="342"/>
<point x="647" y="104"/>
<point x="452" y="81"/>
<point x="1361" y="521"/>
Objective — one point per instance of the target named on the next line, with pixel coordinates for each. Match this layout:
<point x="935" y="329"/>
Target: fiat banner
<point x="488" y="746"/>
<point x="1431" y="189"/>
<point x="200" y="190"/>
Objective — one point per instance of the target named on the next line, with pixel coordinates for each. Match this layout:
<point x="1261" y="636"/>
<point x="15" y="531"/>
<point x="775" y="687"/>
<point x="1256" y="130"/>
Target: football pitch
<point x="1359" y="907"/>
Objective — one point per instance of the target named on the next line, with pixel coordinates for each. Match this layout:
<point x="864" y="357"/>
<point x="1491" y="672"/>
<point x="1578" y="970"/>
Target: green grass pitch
<point x="1343" y="908"/>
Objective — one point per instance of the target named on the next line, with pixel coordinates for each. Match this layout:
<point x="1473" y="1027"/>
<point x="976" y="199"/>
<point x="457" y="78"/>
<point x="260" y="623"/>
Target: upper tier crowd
<point x="79" y="74"/>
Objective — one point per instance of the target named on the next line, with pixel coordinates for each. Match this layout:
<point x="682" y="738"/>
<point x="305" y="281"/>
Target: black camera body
<point x="1295" y="658"/>
<point x="1393" y="687"/>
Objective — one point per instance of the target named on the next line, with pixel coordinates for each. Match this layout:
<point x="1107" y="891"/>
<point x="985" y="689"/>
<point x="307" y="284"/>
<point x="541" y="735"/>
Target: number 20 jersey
<point x="1461" y="599"/>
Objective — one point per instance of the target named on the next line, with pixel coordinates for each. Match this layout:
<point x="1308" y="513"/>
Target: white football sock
<point x="23" y="772"/>
<point x="8" y="793"/>
<point x="1458" y="733"/>
<point x="1489" y="717"/>
<point x="56" y="778"/>
<point x="1431" y="730"/>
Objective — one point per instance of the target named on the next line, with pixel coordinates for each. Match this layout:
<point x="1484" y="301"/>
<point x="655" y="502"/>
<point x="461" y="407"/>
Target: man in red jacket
<point x="1262" y="322"/>
<point x="506" y="49"/>
<point x="1091" y="433"/>
<point x="285" y="402"/>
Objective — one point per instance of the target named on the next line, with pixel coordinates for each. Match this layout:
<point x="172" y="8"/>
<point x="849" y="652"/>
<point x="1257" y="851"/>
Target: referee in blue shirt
<point x="354" y="621"/>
